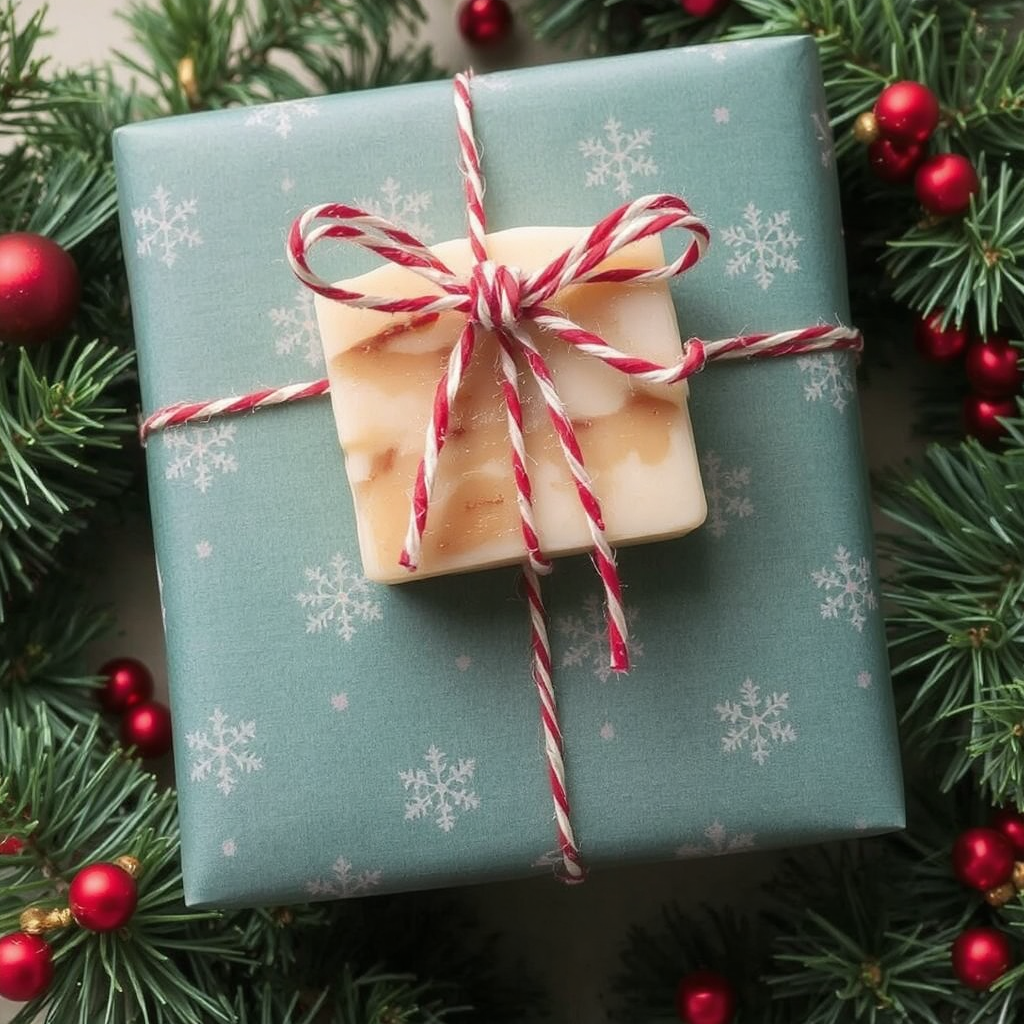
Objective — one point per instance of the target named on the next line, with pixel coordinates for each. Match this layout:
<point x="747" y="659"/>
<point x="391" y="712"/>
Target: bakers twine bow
<point x="500" y="299"/>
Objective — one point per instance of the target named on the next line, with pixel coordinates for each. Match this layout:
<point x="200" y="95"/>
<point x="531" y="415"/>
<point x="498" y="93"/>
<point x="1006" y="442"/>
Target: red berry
<point x="981" y="956"/>
<point x="937" y="343"/>
<point x="982" y="858"/>
<point x="127" y="682"/>
<point x="893" y="164"/>
<point x="147" y="727"/>
<point x="485" y="22"/>
<point x="703" y="8"/>
<point x="945" y="183"/>
<point x="102" y="897"/>
<point x="982" y="416"/>
<point x="11" y="845"/>
<point x="39" y="288"/>
<point x="705" y="997"/>
<point x="992" y="368"/>
<point x="907" y="113"/>
<point x="1010" y="822"/>
<point x="26" y="967"/>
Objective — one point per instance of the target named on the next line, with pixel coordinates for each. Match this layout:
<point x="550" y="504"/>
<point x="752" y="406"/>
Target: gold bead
<point x="188" y="81"/>
<point x="1018" y="876"/>
<point x="865" y="128"/>
<point x="130" y="864"/>
<point x="1000" y="895"/>
<point x="36" y="920"/>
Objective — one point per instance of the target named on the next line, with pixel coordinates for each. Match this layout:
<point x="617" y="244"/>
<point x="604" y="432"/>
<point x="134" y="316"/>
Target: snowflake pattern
<point x="755" y="722"/>
<point x="463" y="662"/>
<point x="223" y="751"/>
<point x="848" y="590"/>
<point x="725" y="490"/>
<point x="339" y="702"/>
<point x="607" y="732"/>
<point x="405" y="209"/>
<point x="229" y="848"/>
<point x="588" y="637"/>
<point x="823" y="135"/>
<point x="721" y="115"/>
<point x="204" y="549"/>
<point x="763" y="243"/>
<point x="344" y="882"/>
<point x="618" y="157"/>
<point x="717" y="842"/>
<point x="864" y="680"/>
<point x="199" y="453"/>
<point x="165" y="227"/>
<point x="296" y="329"/>
<point x="280" y="117"/>
<point x="340" y="596"/>
<point x="827" y="377"/>
<point x="441" y="790"/>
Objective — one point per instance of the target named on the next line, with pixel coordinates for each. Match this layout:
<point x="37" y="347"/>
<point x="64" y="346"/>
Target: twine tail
<point x="573" y="870"/>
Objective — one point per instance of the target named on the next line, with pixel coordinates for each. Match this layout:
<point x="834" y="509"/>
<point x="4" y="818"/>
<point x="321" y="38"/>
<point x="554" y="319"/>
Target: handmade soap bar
<point x="636" y="438"/>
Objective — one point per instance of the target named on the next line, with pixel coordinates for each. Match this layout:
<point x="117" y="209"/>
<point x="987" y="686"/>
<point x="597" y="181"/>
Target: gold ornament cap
<point x="865" y="128"/>
<point x="37" y="921"/>
<point x="130" y="864"/>
<point x="1001" y="894"/>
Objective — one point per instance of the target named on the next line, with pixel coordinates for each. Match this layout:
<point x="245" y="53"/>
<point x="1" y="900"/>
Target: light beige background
<point x="568" y="938"/>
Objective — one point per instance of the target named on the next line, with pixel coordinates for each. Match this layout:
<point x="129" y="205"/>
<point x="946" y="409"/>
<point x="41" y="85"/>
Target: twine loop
<point x="494" y="293"/>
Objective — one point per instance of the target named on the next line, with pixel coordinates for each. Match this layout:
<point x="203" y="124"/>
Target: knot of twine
<point x="500" y="299"/>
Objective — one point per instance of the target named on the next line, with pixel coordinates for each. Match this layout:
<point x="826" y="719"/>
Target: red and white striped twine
<point x="500" y="298"/>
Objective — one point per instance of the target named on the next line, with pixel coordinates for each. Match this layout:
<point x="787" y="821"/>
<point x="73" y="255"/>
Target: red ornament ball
<point x="945" y="183"/>
<point x="703" y="8"/>
<point x="485" y="22"/>
<point x="39" y="288"/>
<point x="982" y="858"/>
<point x="102" y="897"/>
<point x="26" y="967"/>
<point x="981" y="956"/>
<point x="147" y="727"/>
<point x="1010" y="822"/>
<point x="937" y="343"/>
<point x="10" y="846"/>
<point x="892" y="164"/>
<point x="705" y="997"/>
<point x="907" y="113"/>
<point x="127" y="682"/>
<point x="982" y="416"/>
<point x="992" y="368"/>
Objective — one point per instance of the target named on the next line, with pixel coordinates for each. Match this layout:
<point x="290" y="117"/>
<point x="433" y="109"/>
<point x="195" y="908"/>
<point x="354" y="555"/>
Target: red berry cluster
<point x="993" y="372"/>
<point x="905" y="115"/>
<point x="127" y="690"/>
<point x="987" y="859"/>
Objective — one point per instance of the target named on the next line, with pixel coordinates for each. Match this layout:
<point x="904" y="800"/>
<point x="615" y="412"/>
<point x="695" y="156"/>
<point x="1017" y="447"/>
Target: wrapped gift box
<point x="336" y="737"/>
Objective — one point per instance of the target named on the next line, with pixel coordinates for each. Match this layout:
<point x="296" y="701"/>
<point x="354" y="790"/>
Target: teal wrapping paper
<point x="334" y="737"/>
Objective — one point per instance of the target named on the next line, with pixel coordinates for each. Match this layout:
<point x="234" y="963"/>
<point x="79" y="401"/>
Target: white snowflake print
<point x="718" y="53"/>
<point x="718" y="841"/>
<point x="848" y="590"/>
<point x="165" y="227"/>
<point x="280" y="117"/>
<point x="725" y="490"/>
<point x="762" y="243"/>
<point x="340" y="596"/>
<point x="463" y="662"/>
<point x="296" y="330"/>
<point x="441" y="790"/>
<point x="204" y="549"/>
<point x="229" y="848"/>
<point x="223" y="751"/>
<point x="199" y="453"/>
<point x="864" y="680"/>
<point x="755" y="722"/>
<point x="287" y="183"/>
<point x="827" y="377"/>
<point x="619" y="157"/>
<point x="340" y="702"/>
<point x="588" y="637"/>
<point x="607" y="732"/>
<point x="721" y="115"/>
<point x="823" y="135"/>
<point x="344" y="882"/>
<point x="406" y="209"/>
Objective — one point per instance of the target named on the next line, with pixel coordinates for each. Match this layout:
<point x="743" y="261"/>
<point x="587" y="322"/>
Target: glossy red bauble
<point x="982" y="416"/>
<point x="39" y="288"/>
<point x="1010" y="822"/>
<point x="705" y="997"/>
<point x="992" y="368"/>
<point x="704" y="8"/>
<point x="102" y="897"/>
<point x="26" y="967"/>
<point x="485" y="22"/>
<point x="147" y="727"/>
<point x="945" y="183"/>
<point x="907" y="113"/>
<point x="981" y="956"/>
<point x="892" y="164"/>
<point x="126" y="682"/>
<point x="937" y="343"/>
<point x="11" y="845"/>
<point x="983" y="858"/>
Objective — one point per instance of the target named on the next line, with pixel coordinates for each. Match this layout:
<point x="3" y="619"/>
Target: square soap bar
<point x="636" y="438"/>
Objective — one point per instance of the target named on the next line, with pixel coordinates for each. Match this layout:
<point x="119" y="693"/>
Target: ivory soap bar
<point x="636" y="438"/>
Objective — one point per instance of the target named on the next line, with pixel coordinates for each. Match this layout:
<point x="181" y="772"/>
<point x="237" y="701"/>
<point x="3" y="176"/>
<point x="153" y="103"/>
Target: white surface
<point x="568" y="938"/>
